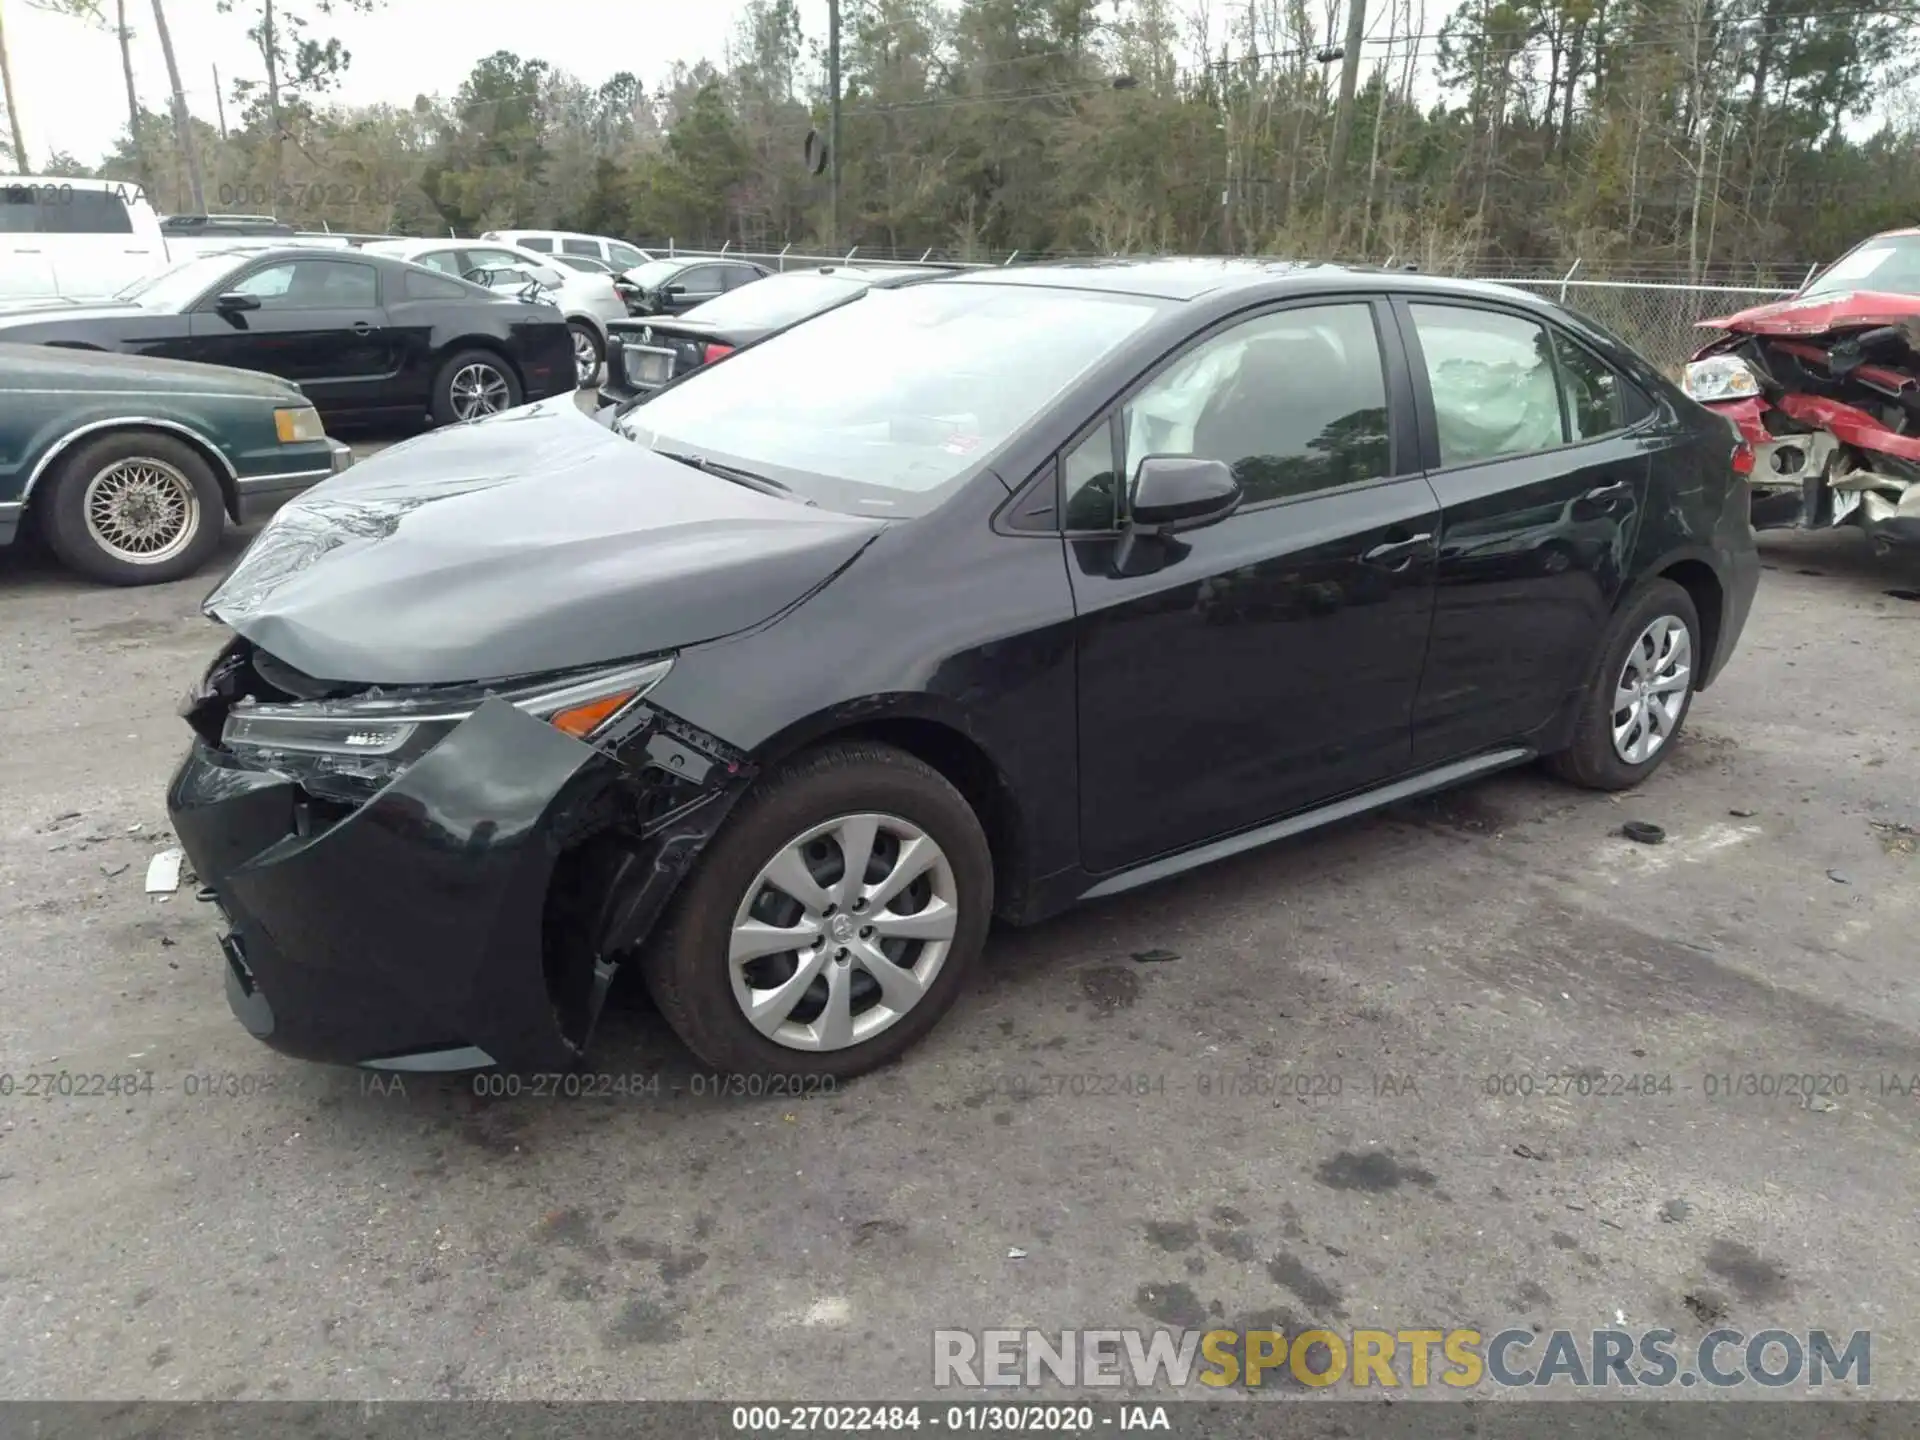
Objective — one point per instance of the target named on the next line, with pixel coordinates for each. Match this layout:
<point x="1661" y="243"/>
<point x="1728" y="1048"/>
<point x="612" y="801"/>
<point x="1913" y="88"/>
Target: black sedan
<point x="788" y="682"/>
<point x="365" y="336"/>
<point x="675" y="286"/>
<point x="642" y="355"/>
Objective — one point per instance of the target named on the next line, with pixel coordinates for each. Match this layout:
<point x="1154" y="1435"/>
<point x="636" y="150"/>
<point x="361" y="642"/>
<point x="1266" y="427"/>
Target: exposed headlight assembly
<point x="350" y="748"/>
<point x="1721" y="377"/>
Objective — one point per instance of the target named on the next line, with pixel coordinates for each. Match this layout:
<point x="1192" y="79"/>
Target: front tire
<point x="588" y="353"/>
<point x="1639" y="695"/>
<point x="831" y="923"/>
<point x="473" y="385"/>
<point x="134" y="508"/>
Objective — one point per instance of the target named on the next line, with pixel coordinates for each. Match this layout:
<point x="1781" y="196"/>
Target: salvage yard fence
<point x="1659" y="318"/>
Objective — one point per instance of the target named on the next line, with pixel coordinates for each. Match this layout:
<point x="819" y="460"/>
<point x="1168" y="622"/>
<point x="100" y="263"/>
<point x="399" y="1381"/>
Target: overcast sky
<point x="66" y="75"/>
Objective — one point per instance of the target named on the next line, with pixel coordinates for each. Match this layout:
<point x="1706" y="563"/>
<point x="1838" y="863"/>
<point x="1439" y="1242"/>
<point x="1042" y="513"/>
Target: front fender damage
<point x="622" y="854"/>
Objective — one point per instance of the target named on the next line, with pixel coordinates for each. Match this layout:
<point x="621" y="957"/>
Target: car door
<point x="1541" y="479"/>
<point x="1233" y="674"/>
<point x="319" y="323"/>
<point x="693" y="286"/>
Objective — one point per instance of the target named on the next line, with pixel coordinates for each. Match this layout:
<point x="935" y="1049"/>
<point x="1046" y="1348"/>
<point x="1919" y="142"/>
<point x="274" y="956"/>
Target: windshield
<point x="180" y="286"/>
<point x="654" y="272"/>
<point x="876" y="406"/>
<point x="777" y="300"/>
<point x="1890" y="263"/>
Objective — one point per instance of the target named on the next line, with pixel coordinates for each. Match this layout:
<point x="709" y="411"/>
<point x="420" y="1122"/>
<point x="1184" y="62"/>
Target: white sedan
<point x="588" y="301"/>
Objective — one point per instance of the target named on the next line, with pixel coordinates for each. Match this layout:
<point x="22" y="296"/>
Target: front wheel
<point x="134" y="508"/>
<point x="473" y="385"/>
<point x="831" y="923"/>
<point x="1638" y="698"/>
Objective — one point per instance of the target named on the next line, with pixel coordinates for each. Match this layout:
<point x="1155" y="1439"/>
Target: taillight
<point x="1743" y="458"/>
<point x="714" y="352"/>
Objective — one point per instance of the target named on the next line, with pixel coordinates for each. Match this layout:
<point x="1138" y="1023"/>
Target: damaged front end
<point x="439" y="877"/>
<point x="1826" y="392"/>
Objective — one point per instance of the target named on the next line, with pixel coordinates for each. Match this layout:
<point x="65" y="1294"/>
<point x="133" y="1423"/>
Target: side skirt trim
<point x="1436" y="779"/>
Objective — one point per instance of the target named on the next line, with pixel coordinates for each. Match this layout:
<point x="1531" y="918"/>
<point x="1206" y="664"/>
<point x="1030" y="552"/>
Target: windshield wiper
<point x="752" y="479"/>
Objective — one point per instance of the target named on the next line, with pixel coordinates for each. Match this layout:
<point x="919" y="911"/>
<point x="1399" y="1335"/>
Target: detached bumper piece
<point x="472" y="912"/>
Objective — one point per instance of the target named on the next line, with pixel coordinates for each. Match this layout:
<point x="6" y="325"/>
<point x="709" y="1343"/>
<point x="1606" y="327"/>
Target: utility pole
<point x="833" y="114"/>
<point x="1343" y="117"/>
<point x="270" y="48"/>
<point x="182" y="119"/>
<point x="220" y="104"/>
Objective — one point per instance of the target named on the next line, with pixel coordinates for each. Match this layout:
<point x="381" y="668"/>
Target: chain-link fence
<point x="1660" y="319"/>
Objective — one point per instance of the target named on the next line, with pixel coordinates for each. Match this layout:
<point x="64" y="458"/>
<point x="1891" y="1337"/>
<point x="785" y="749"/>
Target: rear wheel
<point x="831" y="923"/>
<point x="134" y="508"/>
<point x="588" y="352"/>
<point x="473" y="385"/>
<point x="1638" y="697"/>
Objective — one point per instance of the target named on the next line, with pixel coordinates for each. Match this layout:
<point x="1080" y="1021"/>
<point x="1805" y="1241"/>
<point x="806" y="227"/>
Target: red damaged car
<point x="1826" y="389"/>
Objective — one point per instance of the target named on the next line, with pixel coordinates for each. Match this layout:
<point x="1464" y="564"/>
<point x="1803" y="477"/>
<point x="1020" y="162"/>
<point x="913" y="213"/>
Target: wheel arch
<point x="1703" y="586"/>
<point x="492" y="344"/>
<point x="223" y="470"/>
<point x="939" y="737"/>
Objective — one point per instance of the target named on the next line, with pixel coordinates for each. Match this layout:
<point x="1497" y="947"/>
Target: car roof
<point x="1191" y="278"/>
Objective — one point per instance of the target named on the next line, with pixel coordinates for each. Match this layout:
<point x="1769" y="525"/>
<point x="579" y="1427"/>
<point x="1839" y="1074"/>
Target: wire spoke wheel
<point x="141" y="510"/>
<point x="478" y="390"/>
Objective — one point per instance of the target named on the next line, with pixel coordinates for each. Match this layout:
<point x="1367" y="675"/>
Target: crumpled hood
<point x="532" y="541"/>
<point x="1817" y="314"/>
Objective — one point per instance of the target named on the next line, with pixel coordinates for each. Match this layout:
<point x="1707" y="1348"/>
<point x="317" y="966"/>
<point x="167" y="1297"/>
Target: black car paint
<point x="537" y="540"/>
<point x="354" y="363"/>
<point x="1235" y="683"/>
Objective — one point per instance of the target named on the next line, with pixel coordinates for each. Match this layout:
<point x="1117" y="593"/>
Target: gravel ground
<point x="312" y="1237"/>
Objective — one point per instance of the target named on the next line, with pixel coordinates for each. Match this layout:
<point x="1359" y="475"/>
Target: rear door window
<point x="581" y="247"/>
<point x="537" y="242"/>
<point x="1493" y="380"/>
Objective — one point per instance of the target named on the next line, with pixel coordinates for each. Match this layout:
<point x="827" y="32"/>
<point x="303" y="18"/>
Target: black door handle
<point x="1396" y="554"/>
<point x="361" y="327"/>
<point x="1607" y="494"/>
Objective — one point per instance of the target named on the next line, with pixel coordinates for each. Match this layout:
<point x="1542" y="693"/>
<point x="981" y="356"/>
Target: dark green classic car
<point x="130" y="466"/>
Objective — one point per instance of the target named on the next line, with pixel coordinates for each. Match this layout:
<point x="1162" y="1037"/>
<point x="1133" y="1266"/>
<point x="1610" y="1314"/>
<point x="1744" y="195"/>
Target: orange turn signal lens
<point x="581" y="721"/>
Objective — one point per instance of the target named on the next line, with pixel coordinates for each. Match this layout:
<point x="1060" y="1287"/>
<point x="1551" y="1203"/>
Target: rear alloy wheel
<point x="473" y="385"/>
<point x="831" y="922"/>
<point x="588" y="352"/>
<point x="134" y="509"/>
<point x="1638" y="697"/>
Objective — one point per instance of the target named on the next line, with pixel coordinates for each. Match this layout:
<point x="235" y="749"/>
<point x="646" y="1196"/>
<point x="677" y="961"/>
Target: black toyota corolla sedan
<point x="367" y="337"/>
<point x="982" y="596"/>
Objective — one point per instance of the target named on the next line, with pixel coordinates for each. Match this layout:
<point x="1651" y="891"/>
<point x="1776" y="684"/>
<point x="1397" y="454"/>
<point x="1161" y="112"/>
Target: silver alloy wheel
<point x="586" y="364"/>
<point x="842" y="932"/>
<point x="141" y="510"/>
<point x="1652" y="689"/>
<point x="477" y="390"/>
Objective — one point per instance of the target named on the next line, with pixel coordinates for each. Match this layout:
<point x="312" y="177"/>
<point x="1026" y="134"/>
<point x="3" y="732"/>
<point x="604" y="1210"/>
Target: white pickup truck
<point x="88" y="239"/>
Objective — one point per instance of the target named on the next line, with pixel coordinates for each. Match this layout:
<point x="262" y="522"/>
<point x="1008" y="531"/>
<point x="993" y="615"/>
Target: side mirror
<point x="674" y="292"/>
<point x="1181" y="492"/>
<point x="234" y="301"/>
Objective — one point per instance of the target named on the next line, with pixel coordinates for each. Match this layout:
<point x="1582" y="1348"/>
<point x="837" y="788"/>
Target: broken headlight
<point x="350" y="748"/>
<point x="1721" y="377"/>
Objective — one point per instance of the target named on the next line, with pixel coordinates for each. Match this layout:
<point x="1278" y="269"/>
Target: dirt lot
<point x="306" y="1236"/>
